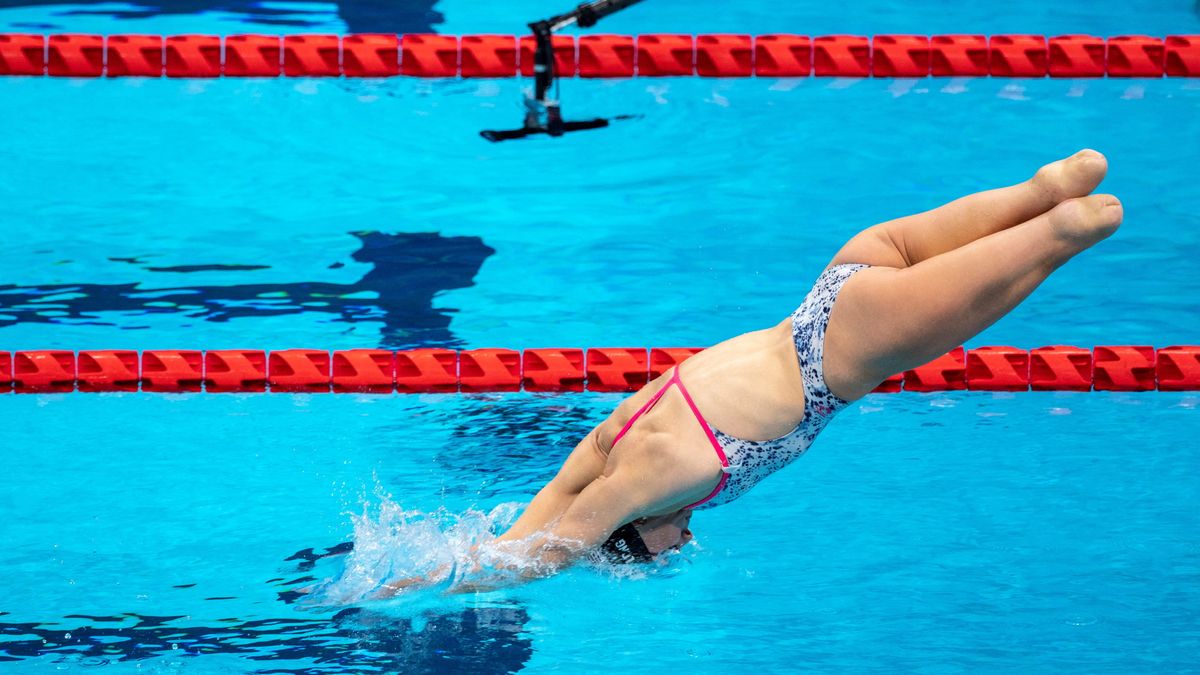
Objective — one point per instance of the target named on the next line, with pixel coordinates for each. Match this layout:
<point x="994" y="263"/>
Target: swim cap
<point x="626" y="546"/>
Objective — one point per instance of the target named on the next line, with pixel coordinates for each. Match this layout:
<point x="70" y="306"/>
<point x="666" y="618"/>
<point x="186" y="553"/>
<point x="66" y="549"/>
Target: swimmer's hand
<point x="481" y="570"/>
<point x="393" y="587"/>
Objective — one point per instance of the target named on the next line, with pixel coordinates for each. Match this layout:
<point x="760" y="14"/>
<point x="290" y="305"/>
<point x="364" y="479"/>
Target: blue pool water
<point x="951" y="532"/>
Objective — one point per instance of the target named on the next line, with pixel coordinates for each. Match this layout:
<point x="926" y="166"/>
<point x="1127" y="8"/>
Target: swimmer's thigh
<point x="887" y="320"/>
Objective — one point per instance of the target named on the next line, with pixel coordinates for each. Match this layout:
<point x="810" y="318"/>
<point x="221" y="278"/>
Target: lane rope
<point x="598" y="56"/>
<point x="598" y="369"/>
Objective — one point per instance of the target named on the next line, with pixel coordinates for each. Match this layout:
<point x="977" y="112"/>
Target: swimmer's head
<point x="644" y="538"/>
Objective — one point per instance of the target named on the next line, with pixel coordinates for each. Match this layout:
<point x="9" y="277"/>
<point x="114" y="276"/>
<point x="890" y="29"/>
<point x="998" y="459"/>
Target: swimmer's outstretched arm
<point x="584" y="523"/>
<point x="585" y="463"/>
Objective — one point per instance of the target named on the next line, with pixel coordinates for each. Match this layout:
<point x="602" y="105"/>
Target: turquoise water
<point x="940" y="533"/>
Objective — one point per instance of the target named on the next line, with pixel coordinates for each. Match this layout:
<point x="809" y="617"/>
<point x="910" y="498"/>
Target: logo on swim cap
<point x="626" y="546"/>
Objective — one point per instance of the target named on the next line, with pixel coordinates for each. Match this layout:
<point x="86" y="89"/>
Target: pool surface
<point x="947" y="532"/>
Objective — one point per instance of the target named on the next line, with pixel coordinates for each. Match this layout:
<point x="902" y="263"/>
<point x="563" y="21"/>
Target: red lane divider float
<point x="654" y="55"/>
<point x="257" y="56"/>
<point x="841" y="56"/>
<point x="193" y="56"/>
<point x="959" y="56"/>
<point x="900" y="56"/>
<point x="488" y="56"/>
<point x="724" y="55"/>
<point x="133" y="56"/>
<point x="1060" y="367"/>
<point x="782" y="56"/>
<point x="608" y="369"/>
<point x="234" y="370"/>
<point x="312" y="56"/>
<point x="1135" y="56"/>
<point x="370" y="55"/>
<point x="427" y="370"/>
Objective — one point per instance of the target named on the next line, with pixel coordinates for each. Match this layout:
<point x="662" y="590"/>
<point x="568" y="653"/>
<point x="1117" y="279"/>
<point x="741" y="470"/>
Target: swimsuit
<point x="743" y="462"/>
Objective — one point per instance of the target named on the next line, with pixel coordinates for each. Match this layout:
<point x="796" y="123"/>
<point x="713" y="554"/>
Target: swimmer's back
<point x="748" y="386"/>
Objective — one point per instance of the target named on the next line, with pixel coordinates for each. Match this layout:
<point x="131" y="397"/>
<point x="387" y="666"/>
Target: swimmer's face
<point x="662" y="533"/>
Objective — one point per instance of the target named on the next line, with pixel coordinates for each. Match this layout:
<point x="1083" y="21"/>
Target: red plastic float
<point x="891" y="385"/>
<point x="1182" y="56"/>
<point x="235" y="370"/>
<point x="371" y="55"/>
<point x="616" y="369"/>
<point x="22" y="54"/>
<point x="1077" y="56"/>
<point x="1135" y="56"/>
<point x="488" y="56"/>
<point x="193" y="56"/>
<point x="172" y="370"/>
<point x="841" y="56"/>
<point x="44" y="371"/>
<point x="958" y="56"/>
<point x="782" y="56"/>
<point x="1060" y="367"/>
<point x="606" y="56"/>
<point x="717" y="55"/>
<point x="427" y="55"/>
<point x="312" y="56"/>
<point x="134" y="56"/>
<point x="253" y="55"/>
<point x="72" y="55"/>
<point x="108" y="370"/>
<point x="724" y="55"/>
<point x="1178" y="368"/>
<point x="997" y="369"/>
<point x="367" y="371"/>
<point x="943" y="373"/>
<point x="565" y="64"/>
<point x="552" y="369"/>
<point x="663" y="359"/>
<point x="489" y="370"/>
<point x="900" y="56"/>
<point x="1123" y="368"/>
<point x="660" y="55"/>
<point x="427" y="370"/>
<point x="299" y="370"/>
<point x="1018" y="56"/>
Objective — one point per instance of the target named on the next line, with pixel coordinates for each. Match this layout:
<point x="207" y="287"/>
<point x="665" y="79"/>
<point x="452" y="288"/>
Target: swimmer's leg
<point x="889" y="320"/>
<point x="907" y="241"/>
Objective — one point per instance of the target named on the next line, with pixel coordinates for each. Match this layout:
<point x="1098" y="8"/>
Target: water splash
<point x="420" y="556"/>
<point x="435" y="550"/>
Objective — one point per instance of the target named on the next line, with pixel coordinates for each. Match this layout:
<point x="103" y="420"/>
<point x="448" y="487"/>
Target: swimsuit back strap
<point x="641" y="411"/>
<point x="711" y="439"/>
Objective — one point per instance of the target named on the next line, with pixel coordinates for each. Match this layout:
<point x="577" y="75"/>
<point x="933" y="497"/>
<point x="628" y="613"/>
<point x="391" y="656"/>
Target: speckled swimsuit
<point x="748" y="462"/>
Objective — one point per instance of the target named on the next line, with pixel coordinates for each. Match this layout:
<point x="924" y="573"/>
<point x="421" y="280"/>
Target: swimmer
<point x="896" y="296"/>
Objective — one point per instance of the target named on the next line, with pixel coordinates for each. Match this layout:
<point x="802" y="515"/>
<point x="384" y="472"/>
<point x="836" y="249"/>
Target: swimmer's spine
<point x="601" y="56"/>
<point x="381" y="371"/>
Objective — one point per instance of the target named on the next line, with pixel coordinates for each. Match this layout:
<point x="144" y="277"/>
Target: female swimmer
<point x="894" y="297"/>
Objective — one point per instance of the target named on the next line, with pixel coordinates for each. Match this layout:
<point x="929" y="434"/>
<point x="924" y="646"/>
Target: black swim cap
<point x="626" y="546"/>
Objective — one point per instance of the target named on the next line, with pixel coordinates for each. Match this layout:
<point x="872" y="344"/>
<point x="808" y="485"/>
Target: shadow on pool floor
<point x="408" y="269"/>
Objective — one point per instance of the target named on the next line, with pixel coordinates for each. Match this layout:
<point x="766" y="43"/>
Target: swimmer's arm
<point x="534" y="546"/>
<point x="602" y="507"/>
<point x="582" y="466"/>
<point x="599" y="509"/>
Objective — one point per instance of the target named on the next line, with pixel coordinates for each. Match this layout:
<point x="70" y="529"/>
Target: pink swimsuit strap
<point x="699" y="417"/>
